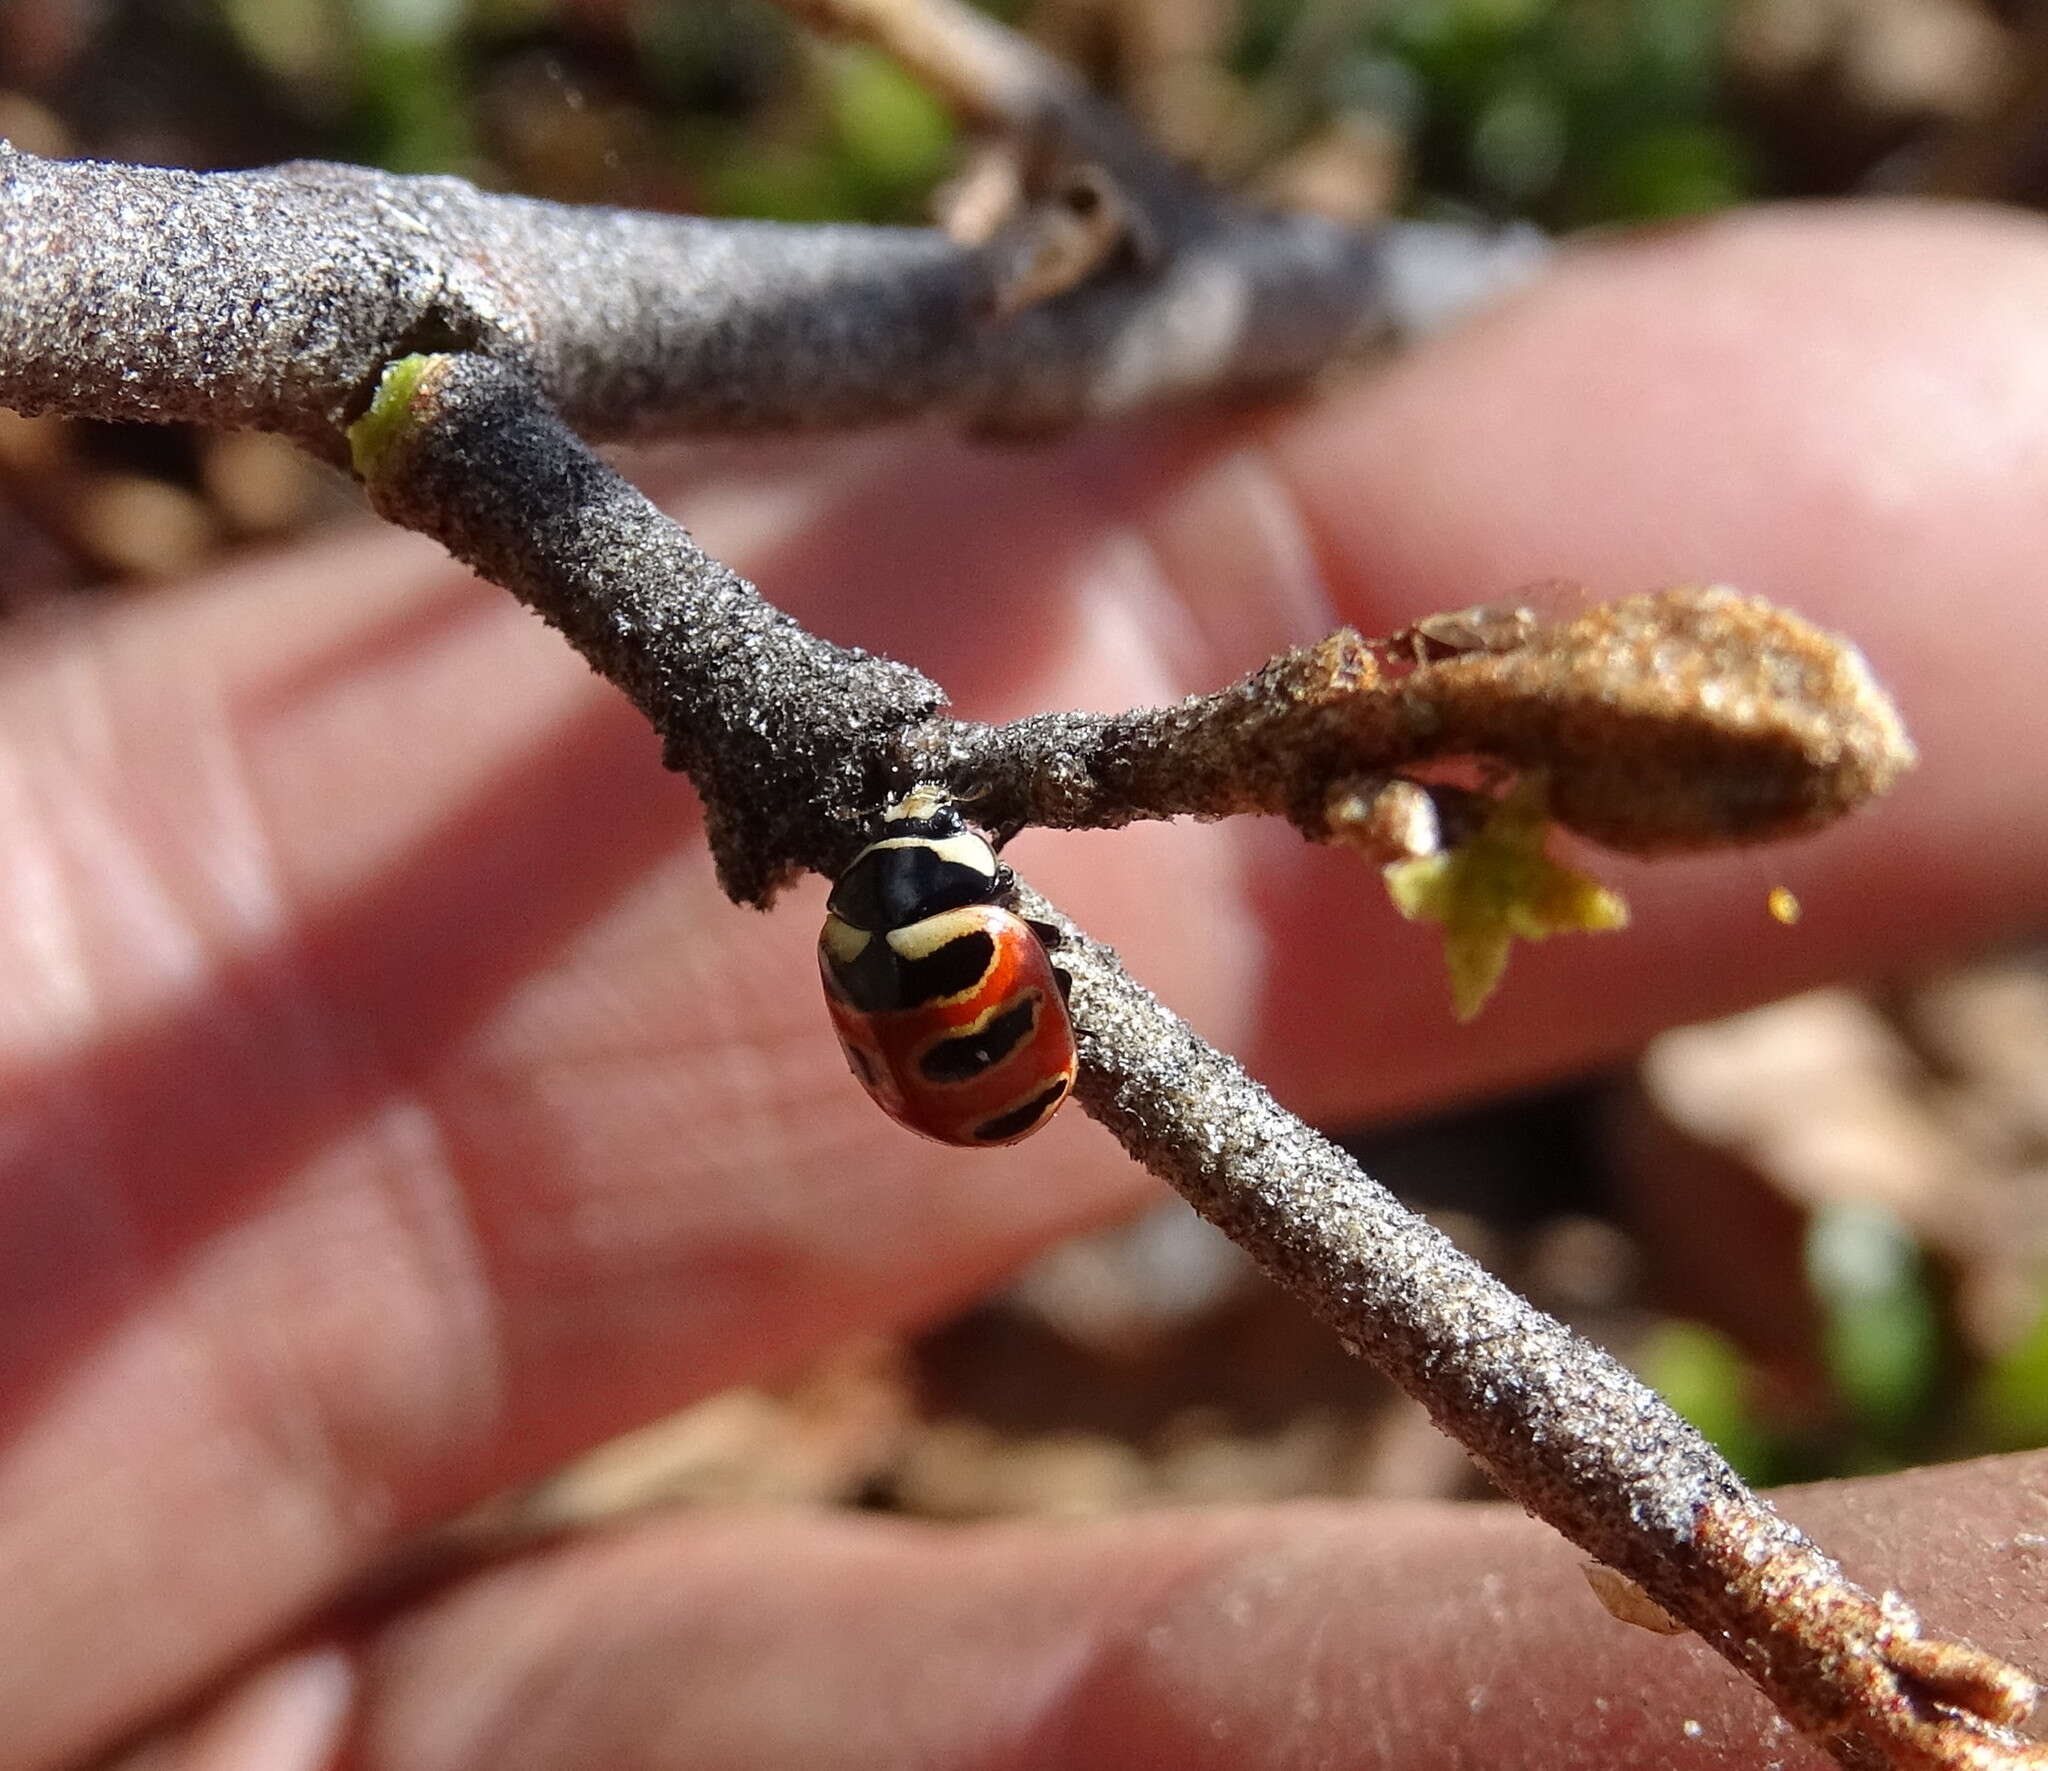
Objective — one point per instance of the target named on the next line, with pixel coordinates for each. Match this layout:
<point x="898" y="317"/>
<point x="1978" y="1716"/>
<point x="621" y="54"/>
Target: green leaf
<point x="373" y="433"/>
<point x="1496" y="888"/>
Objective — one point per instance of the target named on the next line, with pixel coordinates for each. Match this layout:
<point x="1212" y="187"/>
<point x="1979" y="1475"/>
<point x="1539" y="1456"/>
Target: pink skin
<point x="389" y="1105"/>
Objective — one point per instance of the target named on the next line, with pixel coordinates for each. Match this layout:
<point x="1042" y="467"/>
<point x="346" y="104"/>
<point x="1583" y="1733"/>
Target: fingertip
<point x="1376" y="1635"/>
<point x="1782" y="398"/>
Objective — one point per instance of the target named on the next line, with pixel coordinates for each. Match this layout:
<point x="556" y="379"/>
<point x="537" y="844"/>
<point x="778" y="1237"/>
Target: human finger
<point x="470" y="1124"/>
<point x="1327" y="1635"/>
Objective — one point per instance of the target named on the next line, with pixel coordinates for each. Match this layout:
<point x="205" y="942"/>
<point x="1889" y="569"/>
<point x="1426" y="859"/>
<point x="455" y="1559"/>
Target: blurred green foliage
<point x="719" y="106"/>
<point x="873" y="148"/>
<point x="1898" y="1387"/>
<point x="1881" y="1325"/>
<point x="2009" y="1402"/>
<point x="1564" y="111"/>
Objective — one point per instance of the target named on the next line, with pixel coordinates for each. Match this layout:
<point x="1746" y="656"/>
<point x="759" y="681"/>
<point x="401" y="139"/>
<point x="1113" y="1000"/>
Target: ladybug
<point x="945" y="1000"/>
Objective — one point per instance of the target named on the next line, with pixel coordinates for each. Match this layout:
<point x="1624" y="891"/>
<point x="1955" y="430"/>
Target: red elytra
<point x="979" y="1066"/>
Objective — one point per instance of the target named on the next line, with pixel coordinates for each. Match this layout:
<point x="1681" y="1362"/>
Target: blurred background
<point x="1875" y="1164"/>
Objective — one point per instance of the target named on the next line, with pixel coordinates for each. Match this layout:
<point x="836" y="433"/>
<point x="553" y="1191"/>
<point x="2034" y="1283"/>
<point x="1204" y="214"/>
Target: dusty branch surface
<point x="1772" y="727"/>
<point x="1561" y="1427"/>
<point x="1768" y="728"/>
<point x="287" y="299"/>
<point x="788" y="737"/>
<point x="777" y="727"/>
<point x="274" y="300"/>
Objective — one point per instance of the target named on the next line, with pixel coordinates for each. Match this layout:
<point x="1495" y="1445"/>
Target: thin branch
<point x="990" y="76"/>
<point x="1559" y="1425"/>
<point x="790" y="740"/>
<point x="274" y="300"/>
<point x="1689" y="719"/>
<point x="999" y="81"/>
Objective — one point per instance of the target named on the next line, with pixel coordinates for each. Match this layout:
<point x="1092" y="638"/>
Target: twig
<point x="1769" y="728"/>
<point x="1560" y="1426"/>
<point x="999" y="81"/>
<point x="1689" y="719"/>
<point x="767" y="718"/>
<point x="296" y="300"/>
<point x="275" y="300"/>
<point x="789" y="738"/>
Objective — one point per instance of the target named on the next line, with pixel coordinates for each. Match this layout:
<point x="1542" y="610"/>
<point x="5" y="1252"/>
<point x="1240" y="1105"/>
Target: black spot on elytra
<point x="1019" y="1120"/>
<point x="868" y="980"/>
<point x="966" y="1055"/>
<point x="879" y="980"/>
<point x="959" y="965"/>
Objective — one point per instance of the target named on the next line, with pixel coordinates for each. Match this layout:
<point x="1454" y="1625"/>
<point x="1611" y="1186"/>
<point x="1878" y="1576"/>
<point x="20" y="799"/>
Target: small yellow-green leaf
<point x="1496" y="888"/>
<point x="372" y="433"/>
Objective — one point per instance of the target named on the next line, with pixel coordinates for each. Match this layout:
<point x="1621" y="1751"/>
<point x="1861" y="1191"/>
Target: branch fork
<point x="468" y="347"/>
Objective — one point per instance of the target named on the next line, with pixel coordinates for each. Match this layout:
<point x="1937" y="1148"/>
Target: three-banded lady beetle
<point x="945" y="1002"/>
